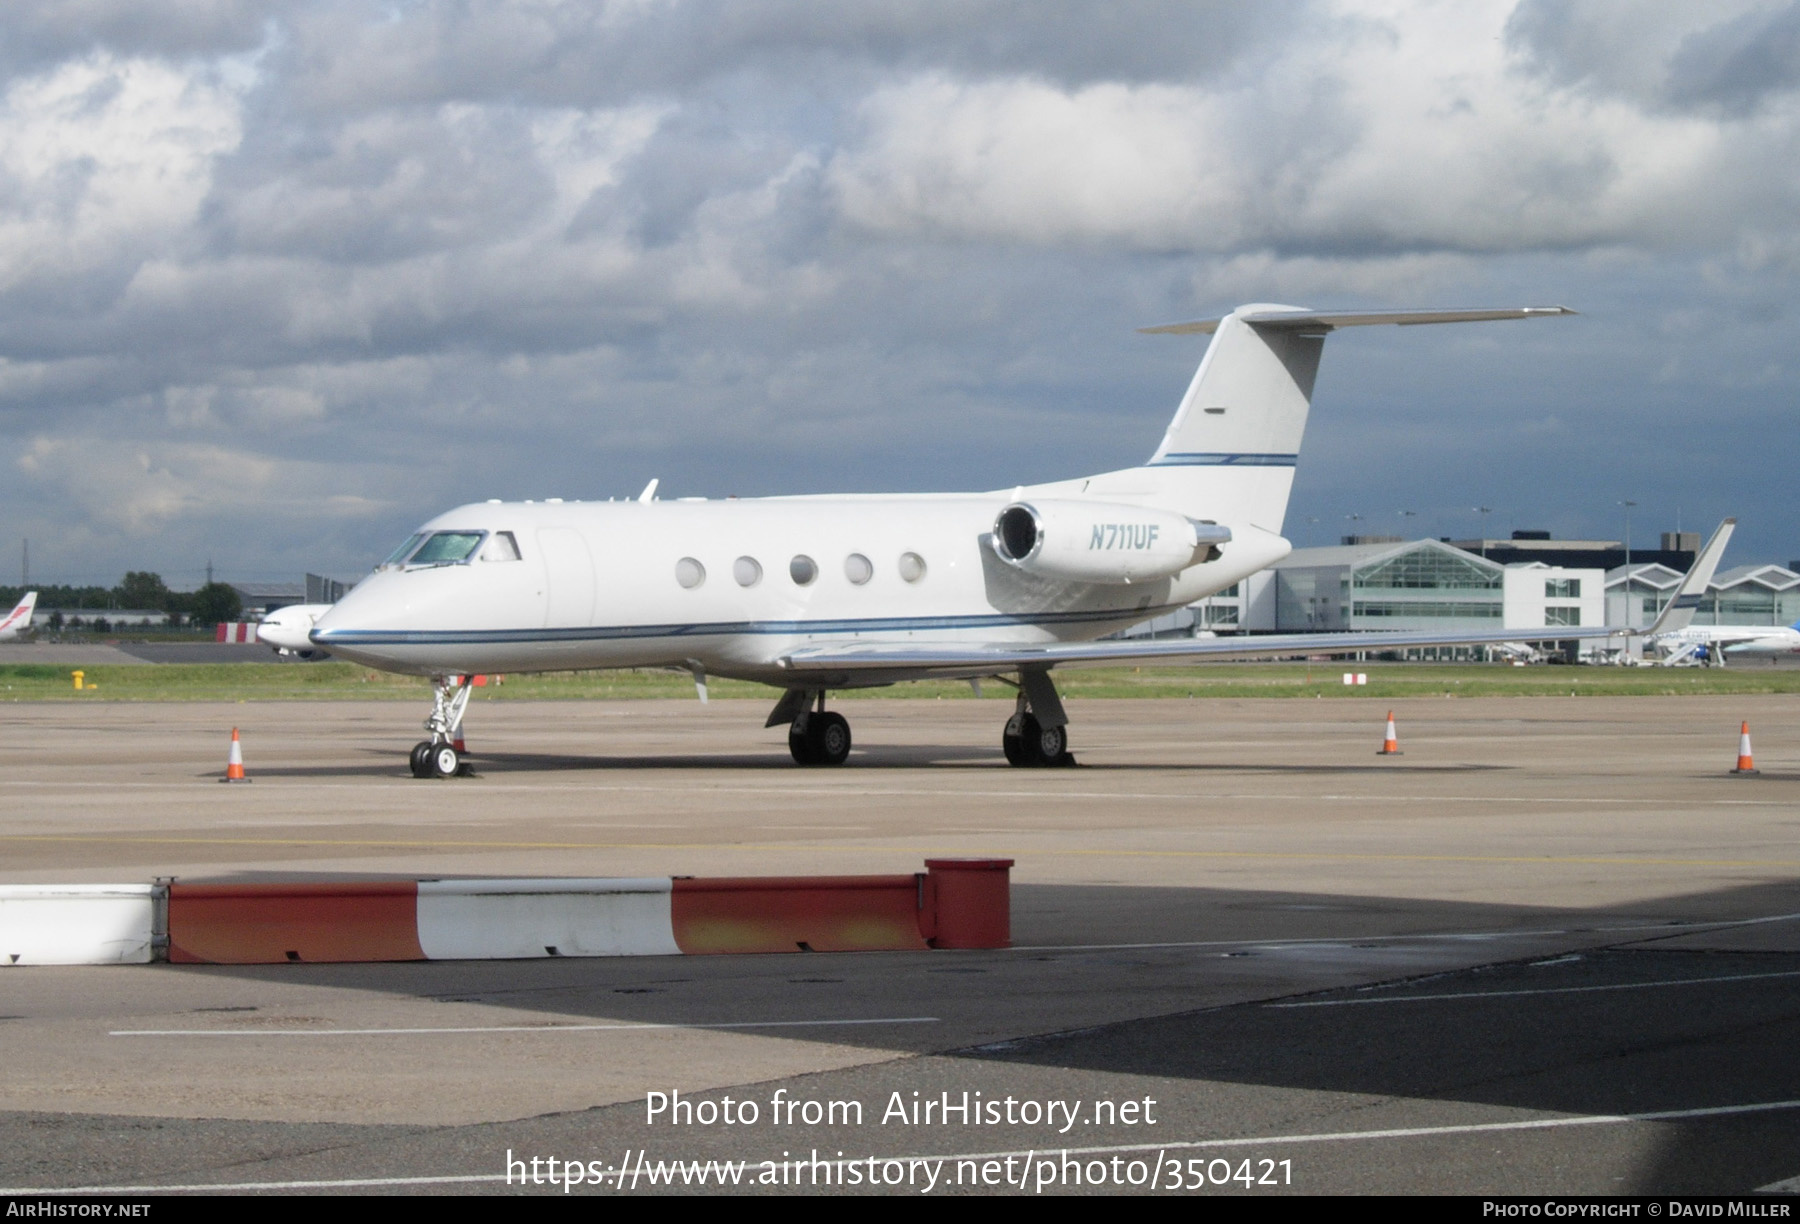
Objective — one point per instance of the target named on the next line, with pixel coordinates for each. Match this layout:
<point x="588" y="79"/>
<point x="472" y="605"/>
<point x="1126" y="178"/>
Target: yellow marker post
<point x="78" y="677"/>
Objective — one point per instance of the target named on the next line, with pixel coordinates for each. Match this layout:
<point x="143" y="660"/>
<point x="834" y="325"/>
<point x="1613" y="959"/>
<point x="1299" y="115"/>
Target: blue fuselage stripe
<point x="792" y="628"/>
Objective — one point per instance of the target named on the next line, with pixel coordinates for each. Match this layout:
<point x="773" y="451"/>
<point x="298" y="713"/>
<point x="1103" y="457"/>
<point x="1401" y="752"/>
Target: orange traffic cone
<point x="1745" y="765"/>
<point x="1391" y="745"/>
<point x="234" y="764"/>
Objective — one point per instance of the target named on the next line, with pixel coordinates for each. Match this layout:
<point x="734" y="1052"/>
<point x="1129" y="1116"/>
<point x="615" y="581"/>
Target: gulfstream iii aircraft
<point x="812" y="594"/>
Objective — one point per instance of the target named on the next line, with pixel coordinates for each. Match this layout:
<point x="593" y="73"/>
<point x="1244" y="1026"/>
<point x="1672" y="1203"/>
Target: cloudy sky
<point x="280" y="280"/>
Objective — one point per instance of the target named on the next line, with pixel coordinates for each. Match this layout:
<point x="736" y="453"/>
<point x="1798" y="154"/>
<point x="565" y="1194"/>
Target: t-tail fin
<point x="1240" y="423"/>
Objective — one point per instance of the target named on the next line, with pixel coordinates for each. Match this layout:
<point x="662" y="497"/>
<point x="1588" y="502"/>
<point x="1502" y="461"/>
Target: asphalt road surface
<point x="1554" y="948"/>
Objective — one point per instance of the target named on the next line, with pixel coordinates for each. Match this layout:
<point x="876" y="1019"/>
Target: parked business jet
<point x="289" y="630"/>
<point x="18" y="621"/>
<point x="811" y="594"/>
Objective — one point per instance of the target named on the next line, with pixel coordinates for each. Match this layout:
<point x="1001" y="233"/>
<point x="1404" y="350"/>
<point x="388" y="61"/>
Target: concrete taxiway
<point x="1555" y="947"/>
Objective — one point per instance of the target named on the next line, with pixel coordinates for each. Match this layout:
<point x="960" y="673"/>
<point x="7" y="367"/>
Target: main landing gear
<point x="1037" y="735"/>
<point x="438" y="757"/>
<point x="816" y="736"/>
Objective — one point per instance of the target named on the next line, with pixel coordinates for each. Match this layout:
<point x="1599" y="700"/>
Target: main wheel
<point x="421" y="759"/>
<point x="1031" y="745"/>
<point x="1012" y="740"/>
<point x="800" y="745"/>
<point x="444" y="761"/>
<point x="829" y="735"/>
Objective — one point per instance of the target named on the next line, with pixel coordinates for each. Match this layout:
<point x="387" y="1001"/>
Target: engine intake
<point x="1102" y="542"/>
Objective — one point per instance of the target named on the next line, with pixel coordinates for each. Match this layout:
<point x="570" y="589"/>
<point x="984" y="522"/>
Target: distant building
<point x="261" y="598"/>
<point x="1418" y="584"/>
<point x="322" y="590"/>
<point x="1743" y="595"/>
<point x="1677" y="551"/>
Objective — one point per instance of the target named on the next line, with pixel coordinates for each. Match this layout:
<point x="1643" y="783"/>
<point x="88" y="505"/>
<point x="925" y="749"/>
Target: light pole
<point x="1484" y="511"/>
<point x="1627" y="584"/>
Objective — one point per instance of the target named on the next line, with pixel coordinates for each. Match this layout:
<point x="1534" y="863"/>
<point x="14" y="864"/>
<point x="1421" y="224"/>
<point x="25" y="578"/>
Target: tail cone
<point x="1391" y="745"/>
<point x="1745" y="764"/>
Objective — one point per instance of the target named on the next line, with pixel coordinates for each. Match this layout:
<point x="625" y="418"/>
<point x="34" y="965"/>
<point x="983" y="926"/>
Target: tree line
<point x="209" y="605"/>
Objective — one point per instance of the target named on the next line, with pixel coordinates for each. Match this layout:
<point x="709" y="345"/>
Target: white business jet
<point x="289" y="630"/>
<point x="18" y="621"/>
<point x="811" y="594"/>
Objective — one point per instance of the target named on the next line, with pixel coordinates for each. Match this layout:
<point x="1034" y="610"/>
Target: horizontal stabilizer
<point x="1326" y="320"/>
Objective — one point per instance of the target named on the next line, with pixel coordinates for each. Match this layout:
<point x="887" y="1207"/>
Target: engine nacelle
<point x="1080" y="541"/>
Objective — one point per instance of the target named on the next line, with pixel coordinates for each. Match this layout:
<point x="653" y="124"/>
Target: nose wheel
<point x="431" y="760"/>
<point x="437" y="756"/>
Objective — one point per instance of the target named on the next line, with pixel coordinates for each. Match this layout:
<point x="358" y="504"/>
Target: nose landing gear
<point x="437" y="756"/>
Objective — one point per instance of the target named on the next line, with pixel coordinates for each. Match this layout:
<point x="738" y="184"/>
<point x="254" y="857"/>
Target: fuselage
<point x="730" y="586"/>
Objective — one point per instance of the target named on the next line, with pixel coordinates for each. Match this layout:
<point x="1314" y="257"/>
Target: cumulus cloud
<point x="367" y="260"/>
<point x="1417" y="130"/>
<point x="104" y="161"/>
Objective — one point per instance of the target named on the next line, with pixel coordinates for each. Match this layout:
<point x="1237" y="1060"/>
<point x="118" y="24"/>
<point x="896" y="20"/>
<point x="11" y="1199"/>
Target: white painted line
<point x="1411" y="1132"/>
<point x="1378" y="938"/>
<point x="348" y="1183"/>
<point x="515" y="1028"/>
<point x="1681" y="927"/>
<point x="787" y="793"/>
<point x="1548" y="990"/>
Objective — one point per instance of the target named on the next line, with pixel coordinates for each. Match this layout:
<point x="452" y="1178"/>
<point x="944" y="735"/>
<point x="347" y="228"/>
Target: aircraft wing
<point x="870" y="660"/>
<point x="907" y="660"/>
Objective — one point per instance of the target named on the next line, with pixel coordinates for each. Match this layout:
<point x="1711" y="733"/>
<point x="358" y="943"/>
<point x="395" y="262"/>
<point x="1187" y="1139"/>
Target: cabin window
<point x="858" y="569"/>
<point x="447" y="548"/>
<point x="405" y="550"/>
<point x="689" y="573"/>
<point x="912" y="566"/>
<point x="803" y="569"/>
<point x="747" y="571"/>
<point x="501" y="546"/>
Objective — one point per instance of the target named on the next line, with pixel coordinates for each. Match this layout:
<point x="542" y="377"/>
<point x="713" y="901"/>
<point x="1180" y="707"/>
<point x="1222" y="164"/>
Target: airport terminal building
<point x="1743" y="595"/>
<point x="1402" y="584"/>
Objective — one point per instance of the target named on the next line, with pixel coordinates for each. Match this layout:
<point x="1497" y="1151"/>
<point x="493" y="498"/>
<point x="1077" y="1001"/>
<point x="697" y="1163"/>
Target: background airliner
<point x="18" y="621"/>
<point x="811" y="594"/>
<point x="1713" y="643"/>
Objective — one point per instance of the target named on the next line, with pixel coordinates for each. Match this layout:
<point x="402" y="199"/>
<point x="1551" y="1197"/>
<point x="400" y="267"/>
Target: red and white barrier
<point x="513" y="919"/>
<point x="954" y="903"/>
<point x="77" y="924"/>
<point x="236" y="631"/>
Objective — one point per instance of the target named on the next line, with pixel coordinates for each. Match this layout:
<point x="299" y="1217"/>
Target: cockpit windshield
<point x="400" y="554"/>
<point x="447" y="548"/>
